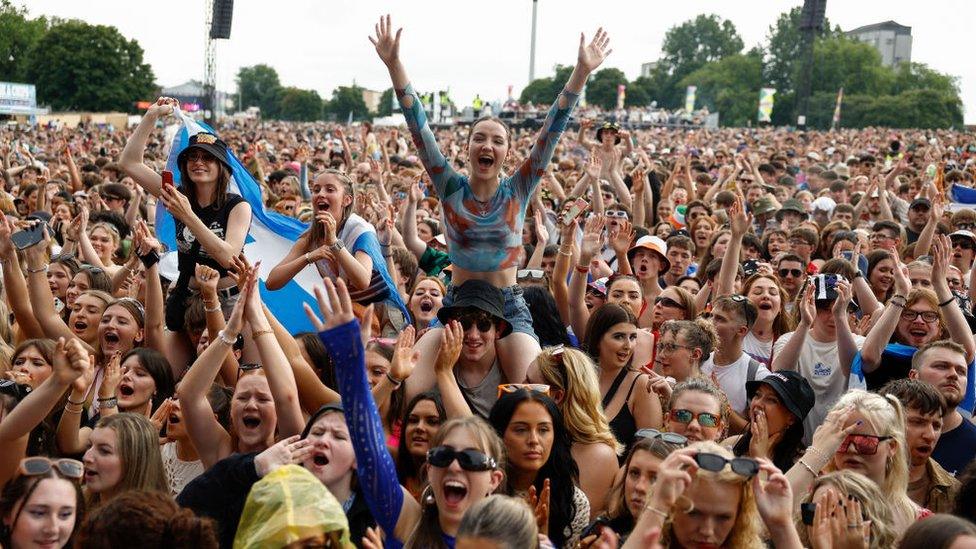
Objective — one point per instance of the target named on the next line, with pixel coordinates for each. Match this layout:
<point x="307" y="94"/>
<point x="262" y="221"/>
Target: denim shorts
<point x="516" y="310"/>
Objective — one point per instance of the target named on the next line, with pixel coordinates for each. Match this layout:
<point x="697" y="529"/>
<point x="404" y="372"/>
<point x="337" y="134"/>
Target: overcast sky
<point x="477" y="47"/>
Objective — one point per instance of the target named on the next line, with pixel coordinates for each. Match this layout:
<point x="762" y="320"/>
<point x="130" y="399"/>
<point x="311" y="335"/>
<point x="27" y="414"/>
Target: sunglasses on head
<point x="68" y="468"/>
<point x="866" y="445"/>
<point x="483" y="321"/>
<point x="671" y="438"/>
<point x="469" y="460"/>
<point x="532" y="274"/>
<point x="746" y="467"/>
<point x="247" y="367"/>
<point x="668" y="302"/>
<point x="795" y="273"/>
<point x="705" y="419"/>
<point x="537" y="388"/>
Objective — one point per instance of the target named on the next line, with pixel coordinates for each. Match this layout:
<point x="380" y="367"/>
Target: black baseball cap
<point x="793" y="390"/>
<point x="478" y="294"/>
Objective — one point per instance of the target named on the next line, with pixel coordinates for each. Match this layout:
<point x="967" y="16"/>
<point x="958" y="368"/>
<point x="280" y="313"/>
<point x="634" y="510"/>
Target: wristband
<point x="567" y="254"/>
<point x="221" y="336"/>
<point x="42" y="269"/>
<point x="807" y="467"/>
<point x="69" y="409"/>
<point x="257" y="333"/>
<point x="69" y="401"/>
<point x="656" y="511"/>
<point x="583" y="270"/>
<point x="337" y="246"/>
<point x="208" y="309"/>
<point x="149" y="259"/>
<point x="110" y="402"/>
<point x="308" y="258"/>
<point x="396" y="382"/>
<point x="948" y="301"/>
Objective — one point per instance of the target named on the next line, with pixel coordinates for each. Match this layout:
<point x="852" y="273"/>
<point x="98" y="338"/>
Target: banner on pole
<point x="766" y="104"/>
<point x="621" y="95"/>
<point x="690" y="98"/>
<point x="836" y="119"/>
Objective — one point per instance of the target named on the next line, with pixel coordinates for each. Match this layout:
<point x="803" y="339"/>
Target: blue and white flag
<point x="961" y="197"/>
<point x="270" y="238"/>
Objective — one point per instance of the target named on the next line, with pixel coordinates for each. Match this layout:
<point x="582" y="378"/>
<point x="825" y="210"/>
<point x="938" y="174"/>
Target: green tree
<point x="300" y="105"/>
<point x="840" y="62"/>
<point x="689" y="46"/>
<point x="641" y="92"/>
<point x="259" y="86"/>
<point x="602" y="87"/>
<point x="386" y="103"/>
<point x="77" y="66"/>
<point x="348" y="99"/>
<point x="545" y="90"/>
<point x="729" y="86"/>
<point x="18" y="35"/>
<point x="912" y="76"/>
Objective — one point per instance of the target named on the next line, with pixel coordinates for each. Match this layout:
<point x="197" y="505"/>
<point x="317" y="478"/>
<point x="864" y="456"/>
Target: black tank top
<point x="623" y="425"/>
<point x="214" y="219"/>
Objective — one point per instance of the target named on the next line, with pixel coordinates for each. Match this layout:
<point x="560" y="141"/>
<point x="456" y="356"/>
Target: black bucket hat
<point x="608" y="126"/>
<point x="478" y="294"/>
<point x="795" y="391"/>
<point x="207" y="142"/>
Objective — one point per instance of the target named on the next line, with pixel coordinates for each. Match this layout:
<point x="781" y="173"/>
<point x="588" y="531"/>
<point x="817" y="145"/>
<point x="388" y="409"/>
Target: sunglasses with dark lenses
<point x="671" y="438"/>
<point x="746" y="467"/>
<point x="715" y="463"/>
<point x="483" y="321"/>
<point x="68" y="468"/>
<point x="866" y="445"/>
<point x="705" y="419"/>
<point x="963" y="243"/>
<point x="668" y="302"/>
<point x="795" y="273"/>
<point x="538" y="388"/>
<point x="469" y="460"/>
<point x="927" y="316"/>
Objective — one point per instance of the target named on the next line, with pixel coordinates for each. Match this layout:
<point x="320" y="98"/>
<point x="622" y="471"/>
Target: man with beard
<point x="942" y="364"/>
<point x="929" y="485"/>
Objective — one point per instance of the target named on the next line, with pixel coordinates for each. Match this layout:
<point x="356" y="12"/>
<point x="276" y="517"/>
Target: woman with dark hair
<point x="964" y="504"/>
<point x="778" y="404"/>
<point x="211" y="223"/>
<point x="545" y="317"/>
<point x="881" y="274"/>
<point x="317" y="357"/>
<point x="611" y="335"/>
<point x="43" y="505"/>
<point x="539" y="457"/>
<point x="422" y="419"/>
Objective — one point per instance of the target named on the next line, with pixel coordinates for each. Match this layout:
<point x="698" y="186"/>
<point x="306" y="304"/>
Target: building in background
<point x="648" y="68"/>
<point x="893" y="41"/>
<point x="372" y="99"/>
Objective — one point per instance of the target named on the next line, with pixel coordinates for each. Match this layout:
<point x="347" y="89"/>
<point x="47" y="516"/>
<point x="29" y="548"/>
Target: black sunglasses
<point x="795" y="273"/>
<point x="668" y="302"/>
<point x="746" y="467"/>
<point x="469" y="460"/>
<point x="483" y="321"/>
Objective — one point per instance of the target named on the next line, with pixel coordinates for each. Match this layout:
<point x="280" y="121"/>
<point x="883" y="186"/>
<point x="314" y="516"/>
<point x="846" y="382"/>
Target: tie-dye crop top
<point x="485" y="236"/>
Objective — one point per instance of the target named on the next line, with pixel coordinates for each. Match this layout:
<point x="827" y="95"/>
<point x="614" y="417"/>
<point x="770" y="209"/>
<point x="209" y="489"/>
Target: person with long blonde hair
<point x="573" y="385"/>
<point x="851" y="486"/>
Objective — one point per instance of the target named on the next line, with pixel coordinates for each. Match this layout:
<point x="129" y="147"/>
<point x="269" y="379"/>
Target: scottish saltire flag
<point x="270" y="237"/>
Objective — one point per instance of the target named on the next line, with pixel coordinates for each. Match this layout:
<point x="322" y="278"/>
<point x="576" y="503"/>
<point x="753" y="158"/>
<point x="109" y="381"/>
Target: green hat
<point x="764" y="205"/>
<point x="791" y="205"/>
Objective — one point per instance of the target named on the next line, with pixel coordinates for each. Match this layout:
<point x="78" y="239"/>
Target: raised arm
<point x="788" y="357"/>
<point x="560" y="272"/>
<point x="395" y="513"/>
<point x="447" y="357"/>
<point x="880" y="334"/>
<point x="740" y="223"/>
<point x="591" y="244"/>
<point x="956" y="323"/>
<point x="208" y="436"/>
<point x="846" y="346"/>
<point x="41" y="297"/>
<point x="409" y="221"/>
<point x="131" y="160"/>
<point x="442" y="175"/>
<point x="928" y="232"/>
<point x="16" y="285"/>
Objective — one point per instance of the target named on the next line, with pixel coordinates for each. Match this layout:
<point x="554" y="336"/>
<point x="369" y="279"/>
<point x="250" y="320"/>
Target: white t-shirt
<point x="732" y="379"/>
<point x="759" y="350"/>
<point x="819" y="364"/>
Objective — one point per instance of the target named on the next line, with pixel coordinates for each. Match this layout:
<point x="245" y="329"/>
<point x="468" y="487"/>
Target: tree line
<point x="708" y="52"/>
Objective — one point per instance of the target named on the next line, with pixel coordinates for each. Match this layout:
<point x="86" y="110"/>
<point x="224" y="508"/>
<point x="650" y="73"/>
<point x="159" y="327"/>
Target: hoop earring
<point x="427" y="496"/>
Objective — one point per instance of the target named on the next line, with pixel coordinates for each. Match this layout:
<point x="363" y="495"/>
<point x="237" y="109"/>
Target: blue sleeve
<point x="442" y="175"/>
<point x="374" y="465"/>
<point x="530" y="172"/>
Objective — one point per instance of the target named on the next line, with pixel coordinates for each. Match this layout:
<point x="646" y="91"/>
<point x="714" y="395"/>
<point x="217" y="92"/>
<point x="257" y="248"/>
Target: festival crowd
<point x="576" y="337"/>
